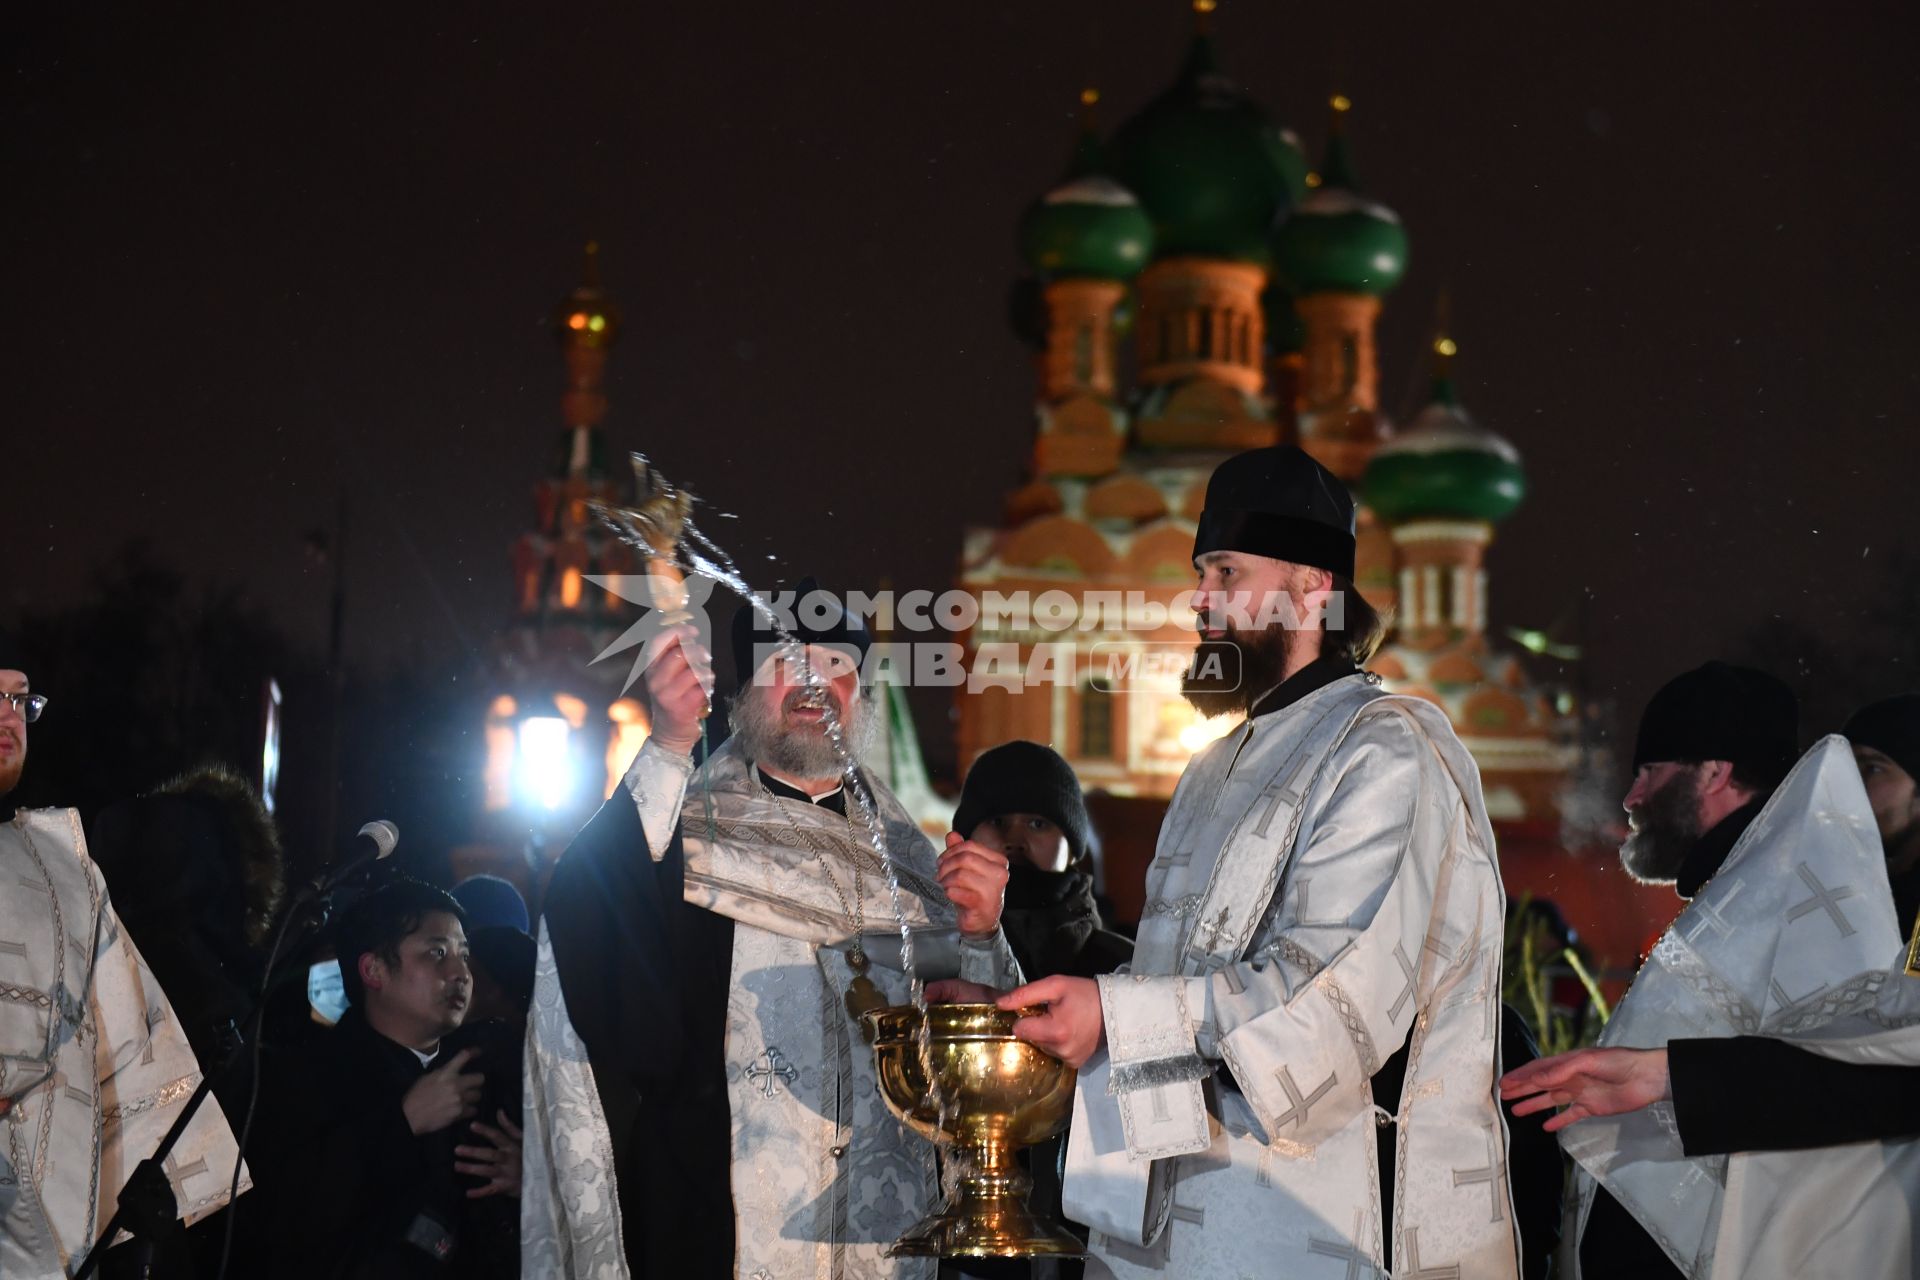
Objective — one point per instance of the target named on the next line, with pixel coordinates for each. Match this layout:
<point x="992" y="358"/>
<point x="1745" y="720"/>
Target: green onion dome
<point x="1444" y="465"/>
<point x="1089" y="226"/>
<point x="1214" y="173"/>
<point x="1337" y="240"/>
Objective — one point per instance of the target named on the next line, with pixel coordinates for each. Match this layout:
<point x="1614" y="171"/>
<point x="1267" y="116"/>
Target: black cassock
<point x="645" y="979"/>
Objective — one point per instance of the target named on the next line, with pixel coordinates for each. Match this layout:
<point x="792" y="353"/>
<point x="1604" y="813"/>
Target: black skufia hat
<point x="1024" y="777"/>
<point x="1280" y="503"/>
<point x="1890" y="726"/>
<point x="1722" y="712"/>
<point x="818" y="618"/>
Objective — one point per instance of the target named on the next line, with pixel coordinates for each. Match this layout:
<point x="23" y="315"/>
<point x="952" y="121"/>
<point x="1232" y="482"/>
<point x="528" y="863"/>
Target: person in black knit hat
<point x="1022" y="799"/>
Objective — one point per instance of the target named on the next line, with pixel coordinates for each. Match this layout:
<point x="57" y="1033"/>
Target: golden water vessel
<point x="1001" y="1094"/>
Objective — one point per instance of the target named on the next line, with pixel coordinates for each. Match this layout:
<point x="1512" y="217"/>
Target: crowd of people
<point x="1293" y="1066"/>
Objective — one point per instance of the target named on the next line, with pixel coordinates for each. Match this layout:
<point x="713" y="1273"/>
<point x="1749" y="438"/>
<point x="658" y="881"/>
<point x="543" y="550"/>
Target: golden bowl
<point x="998" y="1093"/>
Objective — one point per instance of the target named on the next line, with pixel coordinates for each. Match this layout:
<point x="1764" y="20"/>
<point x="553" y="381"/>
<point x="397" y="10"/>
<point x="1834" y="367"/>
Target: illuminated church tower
<point x="559" y="729"/>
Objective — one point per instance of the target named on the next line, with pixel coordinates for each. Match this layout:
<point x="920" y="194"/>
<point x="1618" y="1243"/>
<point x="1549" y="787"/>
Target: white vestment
<point x="93" y="1068"/>
<point x="824" y="1178"/>
<point x="1793" y="932"/>
<point x="1324" y="891"/>
<point x="1833" y="1211"/>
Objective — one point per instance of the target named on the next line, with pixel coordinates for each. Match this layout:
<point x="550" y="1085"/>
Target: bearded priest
<point x="699" y="1099"/>
<point x="1297" y="1076"/>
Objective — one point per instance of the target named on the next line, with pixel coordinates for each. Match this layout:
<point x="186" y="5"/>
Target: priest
<point x="1789" y="934"/>
<point x="1787" y="907"/>
<point x="1297" y="1076"/>
<point x="700" y="1102"/>
<point x="94" y="1067"/>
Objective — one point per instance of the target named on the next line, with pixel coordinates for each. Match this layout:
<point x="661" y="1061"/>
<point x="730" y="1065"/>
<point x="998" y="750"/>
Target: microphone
<point x="375" y="842"/>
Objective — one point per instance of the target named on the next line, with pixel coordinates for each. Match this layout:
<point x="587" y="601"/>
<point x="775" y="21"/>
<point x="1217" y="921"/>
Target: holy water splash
<point x="705" y="557"/>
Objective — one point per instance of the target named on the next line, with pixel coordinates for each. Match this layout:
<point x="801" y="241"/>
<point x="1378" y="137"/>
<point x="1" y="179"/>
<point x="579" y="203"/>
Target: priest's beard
<point x="799" y="748"/>
<point x="1225" y="676"/>
<point x="1665" y="828"/>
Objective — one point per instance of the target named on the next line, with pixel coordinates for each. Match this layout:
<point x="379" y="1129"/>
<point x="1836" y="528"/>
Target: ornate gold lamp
<point x="1001" y="1094"/>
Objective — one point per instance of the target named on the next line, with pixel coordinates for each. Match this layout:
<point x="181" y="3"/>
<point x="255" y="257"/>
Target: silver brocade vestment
<point x="824" y="1178"/>
<point x="93" y="1068"/>
<point x="1324" y="890"/>
<point x="1789" y="939"/>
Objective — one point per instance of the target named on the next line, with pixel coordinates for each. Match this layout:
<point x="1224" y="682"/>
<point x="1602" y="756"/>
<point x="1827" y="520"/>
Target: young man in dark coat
<point x="392" y="1150"/>
<point x="1023" y="800"/>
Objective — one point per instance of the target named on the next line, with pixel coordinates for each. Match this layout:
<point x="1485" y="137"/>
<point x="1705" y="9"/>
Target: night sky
<point x="252" y="258"/>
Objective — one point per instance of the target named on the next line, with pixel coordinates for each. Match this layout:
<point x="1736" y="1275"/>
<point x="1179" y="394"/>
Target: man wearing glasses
<point x="93" y="1067"/>
<point x="18" y="709"/>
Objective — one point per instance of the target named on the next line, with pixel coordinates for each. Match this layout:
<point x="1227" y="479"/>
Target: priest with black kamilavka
<point x="700" y="1102"/>
<point x="1735" y="1119"/>
<point x="1297" y="1075"/>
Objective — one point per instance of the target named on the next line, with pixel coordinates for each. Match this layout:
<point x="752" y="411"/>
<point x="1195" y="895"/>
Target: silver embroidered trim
<point x="1686" y="964"/>
<point x="1355" y="1024"/>
<point x="164" y="1096"/>
<point x="1127" y="1077"/>
<point x="1862" y="991"/>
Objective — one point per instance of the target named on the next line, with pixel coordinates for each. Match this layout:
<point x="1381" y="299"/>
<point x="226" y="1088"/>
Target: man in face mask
<point x="1021" y="799"/>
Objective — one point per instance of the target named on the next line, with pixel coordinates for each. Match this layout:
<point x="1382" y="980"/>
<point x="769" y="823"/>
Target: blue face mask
<point x="326" y="993"/>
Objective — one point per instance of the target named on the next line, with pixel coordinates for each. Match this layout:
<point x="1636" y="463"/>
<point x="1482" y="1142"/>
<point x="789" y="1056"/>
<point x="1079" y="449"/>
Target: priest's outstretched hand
<point x="1072" y="1026"/>
<point x="975" y="879"/>
<point x="1588" y="1083"/>
<point x="679" y="686"/>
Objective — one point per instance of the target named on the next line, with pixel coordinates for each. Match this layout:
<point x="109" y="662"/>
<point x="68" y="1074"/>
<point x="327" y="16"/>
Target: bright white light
<point x="1201" y="732"/>
<point x="546" y="766"/>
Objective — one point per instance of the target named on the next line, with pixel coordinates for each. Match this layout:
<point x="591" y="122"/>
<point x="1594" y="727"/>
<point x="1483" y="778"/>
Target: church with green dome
<point x="1191" y="290"/>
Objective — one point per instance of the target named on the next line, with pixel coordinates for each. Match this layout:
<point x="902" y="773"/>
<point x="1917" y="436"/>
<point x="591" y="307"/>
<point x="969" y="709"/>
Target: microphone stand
<point x="147" y="1188"/>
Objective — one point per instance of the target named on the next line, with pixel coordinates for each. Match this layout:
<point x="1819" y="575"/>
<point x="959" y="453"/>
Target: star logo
<point x="653" y="592"/>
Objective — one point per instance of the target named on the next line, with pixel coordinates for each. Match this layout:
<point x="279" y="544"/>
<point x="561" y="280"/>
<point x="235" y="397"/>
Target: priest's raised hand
<point x="679" y="687"/>
<point x="975" y="880"/>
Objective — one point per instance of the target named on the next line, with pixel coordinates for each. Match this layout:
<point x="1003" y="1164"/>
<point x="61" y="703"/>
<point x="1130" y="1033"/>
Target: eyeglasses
<point x="28" y="705"/>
